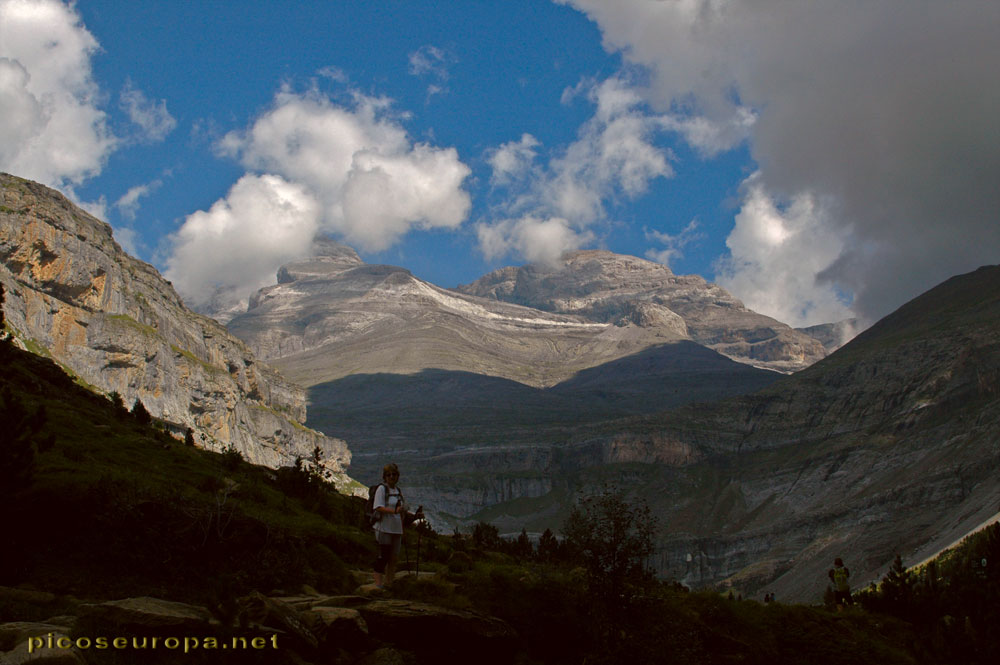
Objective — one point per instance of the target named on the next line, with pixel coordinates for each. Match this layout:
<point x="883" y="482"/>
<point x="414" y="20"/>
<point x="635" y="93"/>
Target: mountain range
<point x="762" y="453"/>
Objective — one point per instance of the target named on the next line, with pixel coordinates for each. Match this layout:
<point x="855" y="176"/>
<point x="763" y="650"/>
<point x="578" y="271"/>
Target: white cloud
<point x="535" y="239"/>
<point x="363" y="178"/>
<point x="777" y="254"/>
<point x="128" y="204"/>
<point x="673" y="244"/>
<point x="512" y="161"/>
<point x="885" y="109"/>
<point x="236" y="246"/>
<point x="710" y="137"/>
<point x="98" y="208"/>
<point x="614" y="152"/>
<point x="151" y="117"/>
<point x="430" y="60"/>
<point x="373" y="184"/>
<point x="128" y="238"/>
<point x="52" y="129"/>
<point x="614" y="155"/>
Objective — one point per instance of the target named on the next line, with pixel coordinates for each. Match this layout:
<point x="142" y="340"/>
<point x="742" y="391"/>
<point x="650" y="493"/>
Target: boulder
<point x="439" y="632"/>
<point x="150" y="613"/>
<point x="256" y="608"/>
<point x="12" y="634"/>
<point x="36" y="651"/>
<point x="337" y="628"/>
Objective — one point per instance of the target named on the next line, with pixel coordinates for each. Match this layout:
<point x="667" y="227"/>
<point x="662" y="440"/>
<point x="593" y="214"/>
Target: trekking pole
<point x="407" y="550"/>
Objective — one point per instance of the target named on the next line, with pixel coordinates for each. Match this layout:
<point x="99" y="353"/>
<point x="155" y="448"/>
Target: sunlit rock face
<point x="607" y="287"/>
<point x="119" y="326"/>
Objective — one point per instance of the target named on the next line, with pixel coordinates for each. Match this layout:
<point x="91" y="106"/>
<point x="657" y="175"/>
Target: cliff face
<point x="606" y="287"/>
<point x="119" y="326"/>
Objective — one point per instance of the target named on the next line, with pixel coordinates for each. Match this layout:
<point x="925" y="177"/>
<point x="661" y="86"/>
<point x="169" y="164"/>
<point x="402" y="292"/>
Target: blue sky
<point x="822" y="161"/>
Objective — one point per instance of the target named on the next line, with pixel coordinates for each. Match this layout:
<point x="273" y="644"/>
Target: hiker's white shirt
<point x="389" y="523"/>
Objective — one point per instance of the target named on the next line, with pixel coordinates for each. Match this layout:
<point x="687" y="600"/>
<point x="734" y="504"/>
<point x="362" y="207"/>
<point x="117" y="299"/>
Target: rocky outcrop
<point x="625" y="290"/>
<point x="117" y="325"/>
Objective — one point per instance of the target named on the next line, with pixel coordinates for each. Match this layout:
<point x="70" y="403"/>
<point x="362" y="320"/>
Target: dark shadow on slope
<point x="664" y="377"/>
<point x="438" y="410"/>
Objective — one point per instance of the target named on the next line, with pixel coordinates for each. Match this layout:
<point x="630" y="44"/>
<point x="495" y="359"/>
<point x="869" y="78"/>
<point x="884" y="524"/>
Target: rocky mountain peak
<point x="328" y="258"/>
<point x="613" y="288"/>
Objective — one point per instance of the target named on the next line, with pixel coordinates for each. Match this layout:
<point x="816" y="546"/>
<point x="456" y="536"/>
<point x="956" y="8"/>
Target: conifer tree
<point x="140" y="413"/>
<point x="548" y="546"/>
<point x="119" y="404"/>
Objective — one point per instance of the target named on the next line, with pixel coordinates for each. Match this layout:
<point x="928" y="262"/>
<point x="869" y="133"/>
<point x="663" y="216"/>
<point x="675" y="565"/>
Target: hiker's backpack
<point x="840" y="579"/>
<point x="372" y="515"/>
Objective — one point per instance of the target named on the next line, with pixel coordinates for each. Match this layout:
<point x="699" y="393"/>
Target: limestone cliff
<point x="119" y="326"/>
<point x="606" y="287"/>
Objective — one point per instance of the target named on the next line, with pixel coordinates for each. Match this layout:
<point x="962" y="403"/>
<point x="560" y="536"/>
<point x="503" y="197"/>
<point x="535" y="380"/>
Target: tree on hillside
<point x="140" y="413"/>
<point x="613" y="539"/>
<point x="523" y="549"/>
<point x="548" y="546"/>
<point x="118" y="402"/>
<point x="487" y="537"/>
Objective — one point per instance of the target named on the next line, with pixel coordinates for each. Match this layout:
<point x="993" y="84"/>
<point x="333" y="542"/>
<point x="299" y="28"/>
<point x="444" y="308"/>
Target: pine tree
<point x="119" y="405"/>
<point x="189" y="437"/>
<point x="140" y="413"/>
<point x="548" y="546"/>
<point x="523" y="549"/>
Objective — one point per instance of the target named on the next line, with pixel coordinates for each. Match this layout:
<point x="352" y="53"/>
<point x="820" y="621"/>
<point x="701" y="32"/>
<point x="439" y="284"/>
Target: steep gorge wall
<point x="119" y="326"/>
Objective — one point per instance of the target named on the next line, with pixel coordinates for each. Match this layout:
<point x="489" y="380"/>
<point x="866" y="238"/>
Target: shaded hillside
<point x="887" y="446"/>
<point x="408" y="417"/>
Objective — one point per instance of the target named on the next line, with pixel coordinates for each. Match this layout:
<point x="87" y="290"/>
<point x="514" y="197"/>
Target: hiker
<point x="390" y="509"/>
<point x="840" y="575"/>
